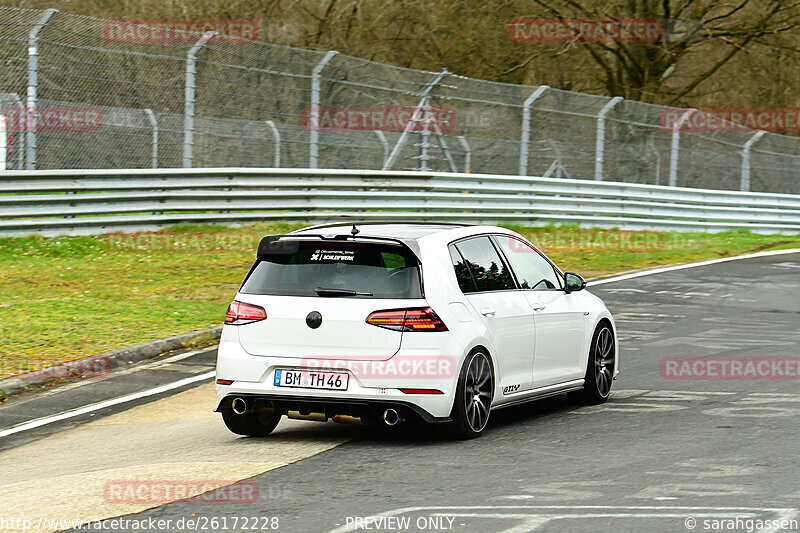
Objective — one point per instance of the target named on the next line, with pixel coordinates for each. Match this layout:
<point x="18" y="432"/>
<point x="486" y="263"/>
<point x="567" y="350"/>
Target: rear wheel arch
<point x="481" y="347"/>
<point x="485" y="350"/>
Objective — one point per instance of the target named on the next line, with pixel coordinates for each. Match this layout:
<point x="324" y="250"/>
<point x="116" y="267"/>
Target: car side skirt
<point x="542" y="392"/>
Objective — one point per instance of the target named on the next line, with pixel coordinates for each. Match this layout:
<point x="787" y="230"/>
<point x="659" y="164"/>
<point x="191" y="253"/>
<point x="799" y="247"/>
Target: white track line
<point x="107" y="403"/>
<point x="691" y="265"/>
<point x="194" y="379"/>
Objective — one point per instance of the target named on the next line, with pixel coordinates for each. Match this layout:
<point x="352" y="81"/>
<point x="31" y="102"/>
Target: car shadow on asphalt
<point x="413" y="432"/>
<point x="418" y="433"/>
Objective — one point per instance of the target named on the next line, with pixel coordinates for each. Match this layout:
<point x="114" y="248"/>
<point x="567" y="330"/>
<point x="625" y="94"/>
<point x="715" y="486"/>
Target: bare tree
<point x="699" y="38"/>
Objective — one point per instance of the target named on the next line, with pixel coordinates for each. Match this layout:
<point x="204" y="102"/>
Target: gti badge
<point x="314" y="320"/>
<point x="510" y="389"/>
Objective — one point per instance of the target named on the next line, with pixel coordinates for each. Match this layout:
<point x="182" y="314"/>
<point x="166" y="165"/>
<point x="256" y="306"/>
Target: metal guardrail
<point x="95" y="201"/>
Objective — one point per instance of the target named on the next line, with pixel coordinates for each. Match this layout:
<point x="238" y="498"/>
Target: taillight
<point x="407" y="320"/>
<point x="243" y="313"/>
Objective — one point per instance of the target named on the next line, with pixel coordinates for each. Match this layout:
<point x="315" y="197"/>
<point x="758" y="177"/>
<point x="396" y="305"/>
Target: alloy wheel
<point x="604" y="361"/>
<point x="478" y="391"/>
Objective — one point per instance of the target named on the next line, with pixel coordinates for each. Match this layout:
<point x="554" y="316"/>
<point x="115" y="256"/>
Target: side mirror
<point x="573" y="282"/>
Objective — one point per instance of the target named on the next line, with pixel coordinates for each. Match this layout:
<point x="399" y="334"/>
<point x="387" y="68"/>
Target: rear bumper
<point x="373" y="385"/>
<point x="366" y="409"/>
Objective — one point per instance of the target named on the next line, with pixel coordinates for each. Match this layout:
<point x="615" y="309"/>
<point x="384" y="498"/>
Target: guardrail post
<point x="33" y="87"/>
<point x="154" y="142"/>
<point x="745" y="184"/>
<point x="415" y="117"/>
<point x="676" y="139"/>
<point x="188" y="105"/>
<point x="526" y="128"/>
<point x="601" y="137"/>
<point x="316" y="82"/>
<point x="467" y="153"/>
<point x="277" y="136"/>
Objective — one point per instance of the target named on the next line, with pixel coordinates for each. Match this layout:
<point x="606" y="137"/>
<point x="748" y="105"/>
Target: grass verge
<point x="62" y="298"/>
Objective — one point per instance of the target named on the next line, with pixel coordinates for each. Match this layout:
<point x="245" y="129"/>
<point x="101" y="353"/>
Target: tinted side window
<point x="485" y="265"/>
<point x="463" y="275"/>
<point x="532" y="270"/>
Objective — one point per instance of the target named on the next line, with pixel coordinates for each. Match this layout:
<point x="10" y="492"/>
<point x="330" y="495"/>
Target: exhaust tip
<point x="239" y="406"/>
<point x="391" y="417"/>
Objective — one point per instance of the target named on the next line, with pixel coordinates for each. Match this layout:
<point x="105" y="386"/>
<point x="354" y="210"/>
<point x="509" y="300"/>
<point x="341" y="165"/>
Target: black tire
<point x="600" y="368"/>
<point x="474" y="394"/>
<point x="252" y="423"/>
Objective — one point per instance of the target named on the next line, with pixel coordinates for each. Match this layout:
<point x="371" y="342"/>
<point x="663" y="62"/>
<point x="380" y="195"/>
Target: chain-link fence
<point x="228" y="102"/>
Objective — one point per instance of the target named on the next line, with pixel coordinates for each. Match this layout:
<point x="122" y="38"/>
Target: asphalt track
<point x="661" y="455"/>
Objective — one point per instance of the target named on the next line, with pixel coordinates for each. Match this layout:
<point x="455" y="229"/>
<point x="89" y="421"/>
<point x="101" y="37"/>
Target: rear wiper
<point x="322" y="291"/>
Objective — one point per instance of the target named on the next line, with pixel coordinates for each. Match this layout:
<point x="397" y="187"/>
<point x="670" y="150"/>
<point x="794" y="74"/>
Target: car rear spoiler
<point x="288" y="244"/>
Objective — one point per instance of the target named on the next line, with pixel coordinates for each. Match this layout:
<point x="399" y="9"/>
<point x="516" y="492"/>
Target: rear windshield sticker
<point x="333" y="255"/>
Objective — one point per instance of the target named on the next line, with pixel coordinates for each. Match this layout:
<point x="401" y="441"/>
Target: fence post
<point x="676" y="139"/>
<point x="526" y="128"/>
<point x="3" y="143"/>
<point x="188" y="104"/>
<point x="316" y="81"/>
<point x="421" y="108"/>
<point x="154" y="143"/>
<point x="277" y="135"/>
<point x="424" y="143"/>
<point x="467" y="154"/>
<point x="658" y="161"/>
<point x="33" y="86"/>
<point x="382" y="138"/>
<point x="445" y="149"/>
<point x="601" y="137"/>
<point x="745" y="185"/>
<point x="20" y="129"/>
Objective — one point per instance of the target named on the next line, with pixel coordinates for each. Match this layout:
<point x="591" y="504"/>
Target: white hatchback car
<point x="438" y="322"/>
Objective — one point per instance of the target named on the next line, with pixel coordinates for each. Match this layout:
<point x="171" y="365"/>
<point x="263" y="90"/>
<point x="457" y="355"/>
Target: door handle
<point x="537" y="307"/>
<point x="488" y="311"/>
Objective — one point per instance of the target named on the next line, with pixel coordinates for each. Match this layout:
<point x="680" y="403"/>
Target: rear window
<point x="371" y="270"/>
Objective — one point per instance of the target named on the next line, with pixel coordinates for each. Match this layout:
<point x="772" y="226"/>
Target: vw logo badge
<point x="314" y="320"/>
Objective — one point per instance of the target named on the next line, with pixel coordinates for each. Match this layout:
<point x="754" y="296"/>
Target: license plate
<point x="311" y="379"/>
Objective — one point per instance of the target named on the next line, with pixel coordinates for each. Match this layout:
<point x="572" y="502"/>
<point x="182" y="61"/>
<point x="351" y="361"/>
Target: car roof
<point x="394" y="230"/>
